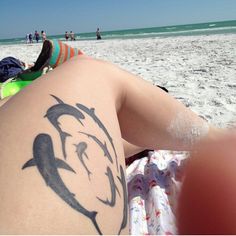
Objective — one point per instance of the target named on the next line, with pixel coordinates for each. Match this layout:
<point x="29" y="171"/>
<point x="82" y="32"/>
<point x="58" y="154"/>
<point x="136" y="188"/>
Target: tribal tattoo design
<point x="47" y="164"/>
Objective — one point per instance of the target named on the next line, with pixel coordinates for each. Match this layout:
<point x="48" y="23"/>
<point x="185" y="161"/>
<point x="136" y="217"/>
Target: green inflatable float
<point x="13" y="87"/>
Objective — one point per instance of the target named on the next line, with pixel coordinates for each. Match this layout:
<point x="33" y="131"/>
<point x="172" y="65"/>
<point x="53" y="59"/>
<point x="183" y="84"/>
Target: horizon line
<point x="105" y="31"/>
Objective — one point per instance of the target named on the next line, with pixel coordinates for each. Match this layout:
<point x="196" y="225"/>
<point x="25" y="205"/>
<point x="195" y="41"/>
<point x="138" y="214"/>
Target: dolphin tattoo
<point x="91" y="113"/>
<point x="113" y="189"/>
<point x="102" y="146"/>
<point x="47" y="165"/>
<point x="80" y="150"/>
<point x="58" y="110"/>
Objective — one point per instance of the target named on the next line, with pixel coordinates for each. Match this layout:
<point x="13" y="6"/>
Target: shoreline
<point x="199" y="71"/>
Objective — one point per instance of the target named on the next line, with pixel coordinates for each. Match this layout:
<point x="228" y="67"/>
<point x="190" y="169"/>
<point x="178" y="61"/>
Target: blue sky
<point x="18" y="17"/>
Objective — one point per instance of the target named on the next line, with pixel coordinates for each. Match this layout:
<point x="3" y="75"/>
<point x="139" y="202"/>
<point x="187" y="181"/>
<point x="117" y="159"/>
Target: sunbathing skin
<point x="3" y="101"/>
<point x="129" y="149"/>
<point x="62" y="159"/>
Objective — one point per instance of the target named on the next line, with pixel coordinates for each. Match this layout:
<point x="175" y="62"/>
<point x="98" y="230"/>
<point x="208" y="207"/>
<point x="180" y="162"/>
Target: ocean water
<point x="223" y="27"/>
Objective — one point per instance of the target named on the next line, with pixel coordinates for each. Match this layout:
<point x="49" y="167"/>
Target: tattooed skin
<point x="102" y="146"/>
<point x="113" y="189"/>
<point x="91" y="113"/>
<point x="56" y="111"/>
<point x="125" y="209"/>
<point x="47" y="164"/>
<point x="80" y="150"/>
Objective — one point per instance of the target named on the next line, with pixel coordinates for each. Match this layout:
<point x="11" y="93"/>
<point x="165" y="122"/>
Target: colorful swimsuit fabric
<point x="153" y="186"/>
<point x="62" y="52"/>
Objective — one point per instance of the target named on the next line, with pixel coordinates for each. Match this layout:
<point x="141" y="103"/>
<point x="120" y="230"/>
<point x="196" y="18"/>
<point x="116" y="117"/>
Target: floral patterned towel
<point x="153" y="186"/>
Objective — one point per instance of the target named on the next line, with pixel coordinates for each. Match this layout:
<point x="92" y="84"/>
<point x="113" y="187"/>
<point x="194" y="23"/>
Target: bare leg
<point x="130" y="149"/>
<point x="62" y="159"/>
<point x="3" y="101"/>
<point x="62" y="162"/>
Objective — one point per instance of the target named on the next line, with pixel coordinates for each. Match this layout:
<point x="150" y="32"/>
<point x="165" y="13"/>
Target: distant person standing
<point x="66" y="36"/>
<point x="30" y="38"/>
<point x="72" y="36"/>
<point x="27" y="38"/>
<point x="36" y="36"/>
<point x="98" y="34"/>
<point x="43" y="34"/>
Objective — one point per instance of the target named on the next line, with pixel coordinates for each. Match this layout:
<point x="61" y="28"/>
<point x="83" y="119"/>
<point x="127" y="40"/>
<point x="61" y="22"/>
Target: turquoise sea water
<point x="224" y="27"/>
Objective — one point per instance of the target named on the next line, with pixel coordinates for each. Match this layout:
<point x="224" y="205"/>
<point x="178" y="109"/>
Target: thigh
<point x="62" y="160"/>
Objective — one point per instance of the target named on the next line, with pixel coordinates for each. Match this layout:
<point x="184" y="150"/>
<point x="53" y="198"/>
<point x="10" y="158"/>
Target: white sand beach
<point x="200" y="71"/>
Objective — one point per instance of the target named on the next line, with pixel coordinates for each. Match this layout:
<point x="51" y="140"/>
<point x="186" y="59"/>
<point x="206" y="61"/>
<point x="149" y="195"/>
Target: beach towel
<point x="9" y="68"/>
<point x="154" y="183"/>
